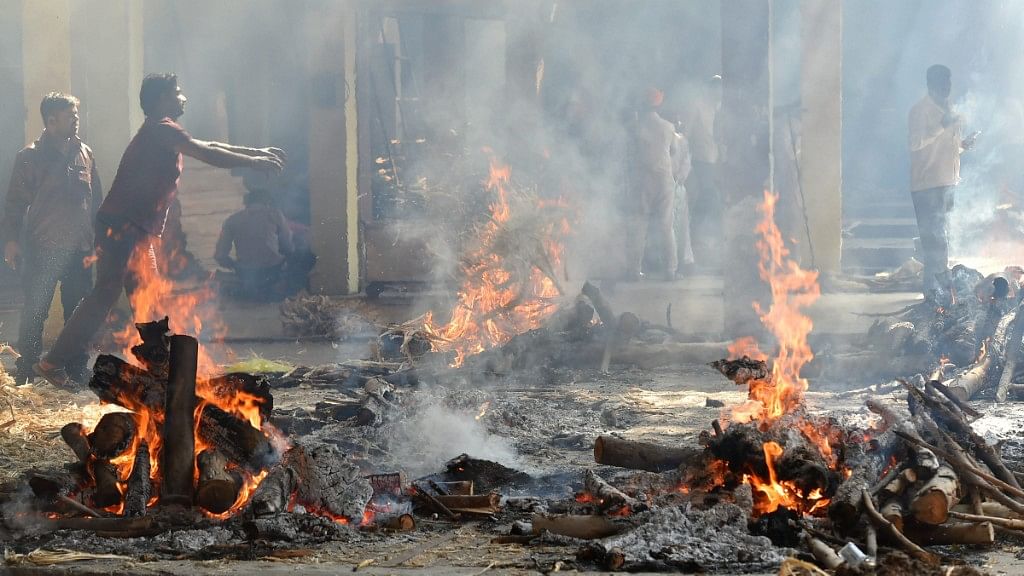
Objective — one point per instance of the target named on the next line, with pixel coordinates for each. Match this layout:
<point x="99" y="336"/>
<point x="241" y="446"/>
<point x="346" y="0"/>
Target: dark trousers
<point x="115" y="243"/>
<point x="44" y="268"/>
<point x="932" y="207"/>
<point x="705" y="212"/>
<point x="260" y="284"/>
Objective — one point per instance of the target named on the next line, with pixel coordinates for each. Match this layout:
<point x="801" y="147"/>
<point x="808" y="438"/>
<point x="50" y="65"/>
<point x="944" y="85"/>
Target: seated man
<point x="262" y="240"/>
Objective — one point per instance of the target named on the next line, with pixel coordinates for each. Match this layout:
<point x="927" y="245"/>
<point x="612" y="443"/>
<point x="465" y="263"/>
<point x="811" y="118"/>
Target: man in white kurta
<point x="936" y="143"/>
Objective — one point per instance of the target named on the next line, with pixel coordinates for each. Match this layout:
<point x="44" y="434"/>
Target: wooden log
<point x="823" y="553"/>
<point x="925" y="461"/>
<point x="256" y="387"/>
<point x="892" y="511"/>
<point x="1013" y="344"/>
<point x="955" y="399"/>
<point x="962" y="533"/>
<point x="898" y="484"/>
<point x="609" y="496"/>
<point x="931" y="504"/>
<point x="845" y="507"/>
<point x="987" y="509"/>
<point x="155" y="350"/>
<point x="218" y="487"/>
<point x="489" y="502"/>
<point x="178" y="453"/>
<point x="891" y="531"/>
<point x="582" y="527"/>
<point x="399" y="523"/>
<point x="972" y="380"/>
<point x="871" y="541"/>
<point x="328" y="480"/>
<point x="107" y="491"/>
<point x="1010" y="523"/>
<point x="106" y="525"/>
<point x="139" y="486"/>
<point x="113" y="434"/>
<point x="601" y="305"/>
<point x="635" y="455"/>
<point x="274" y="493"/>
<point x="982" y="449"/>
<point x="235" y="438"/>
<point x="117" y="382"/>
<point x="75" y="437"/>
<point x="742" y="370"/>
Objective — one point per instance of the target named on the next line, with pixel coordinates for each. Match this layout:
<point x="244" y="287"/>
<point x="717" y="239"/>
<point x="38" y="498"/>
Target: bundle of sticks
<point x="945" y="484"/>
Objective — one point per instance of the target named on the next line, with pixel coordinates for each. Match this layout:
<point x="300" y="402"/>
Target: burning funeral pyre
<point x="771" y="482"/>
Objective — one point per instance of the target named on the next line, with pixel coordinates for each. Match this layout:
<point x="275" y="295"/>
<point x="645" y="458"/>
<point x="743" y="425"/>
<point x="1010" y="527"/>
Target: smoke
<point x="433" y="433"/>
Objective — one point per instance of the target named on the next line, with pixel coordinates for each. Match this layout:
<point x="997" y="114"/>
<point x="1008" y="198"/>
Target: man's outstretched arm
<point x="223" y="158"/>
<point x="246" y="151"/>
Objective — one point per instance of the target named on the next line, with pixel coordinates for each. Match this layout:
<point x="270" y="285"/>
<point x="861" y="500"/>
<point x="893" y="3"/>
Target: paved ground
<point x="652" y="405"/>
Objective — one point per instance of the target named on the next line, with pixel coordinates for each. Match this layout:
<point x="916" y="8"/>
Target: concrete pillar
<point x="821" y="121"/>
<point x="46" y="55"/>
<point x="106" y="76"/>
<point x="331" y="30"/>
<point x="746" y="168"/>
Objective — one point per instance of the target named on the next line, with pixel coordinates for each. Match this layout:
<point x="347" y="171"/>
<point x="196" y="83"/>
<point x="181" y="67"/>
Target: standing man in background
<point x="700" y="121"/>
<point x="136" y="208"/>
<point x="47" y="225"/>
<point x="936" y="143"/>
<point x="657" y="152"/>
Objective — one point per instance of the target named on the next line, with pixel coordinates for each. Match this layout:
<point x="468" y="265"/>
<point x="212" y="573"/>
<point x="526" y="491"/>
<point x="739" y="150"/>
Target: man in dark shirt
<point x="262" y="241"/>
<point x="47" y="224"/>
<point x="136" y="206"/>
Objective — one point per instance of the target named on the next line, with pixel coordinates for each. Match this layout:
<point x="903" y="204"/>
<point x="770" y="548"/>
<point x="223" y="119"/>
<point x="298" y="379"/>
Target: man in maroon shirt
<point x="136" y="207"/>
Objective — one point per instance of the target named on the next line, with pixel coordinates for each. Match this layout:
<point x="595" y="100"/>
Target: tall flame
<point x="793" y="289"/>
<point x="191" y="312"/>
<point x="494" y="304"/>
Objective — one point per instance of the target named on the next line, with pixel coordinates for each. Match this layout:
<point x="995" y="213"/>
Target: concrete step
<point x="871" y="255"/>
<point x="881" y="228"/>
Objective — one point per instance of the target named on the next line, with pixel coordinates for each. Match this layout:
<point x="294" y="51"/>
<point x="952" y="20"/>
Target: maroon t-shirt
<point x="147" y="178"/>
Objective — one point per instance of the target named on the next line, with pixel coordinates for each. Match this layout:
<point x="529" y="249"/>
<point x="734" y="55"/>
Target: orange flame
<point x="793" y="289"/>
<point x="190" y="312"/>
<point x="768" y="496"/>
<point x="493" y="304"/>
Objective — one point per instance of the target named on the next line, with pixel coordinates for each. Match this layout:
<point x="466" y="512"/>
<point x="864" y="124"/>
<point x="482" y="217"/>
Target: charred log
<point x="75" y="437"/>
<point x="235" y="438"/>
<point x="154" y="351"/>
<point x="634" y="455"/>
<point x="609" y="496"/>
<point x="582" y="527"/>
<point x="178" y="453"/>
<point x="118" y="382"/>
<point x="273" y="494"/>
<point x="218" y="487"/>
<point x="743" y="370"/>
<point x="845" y="508"/>
<point x="139" y="485"/>
<point x="107" y="491"/>
<point x="113" y="434"/>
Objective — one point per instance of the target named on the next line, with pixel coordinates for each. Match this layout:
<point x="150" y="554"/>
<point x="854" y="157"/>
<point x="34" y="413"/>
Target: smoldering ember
<point x="511" y="287"/>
